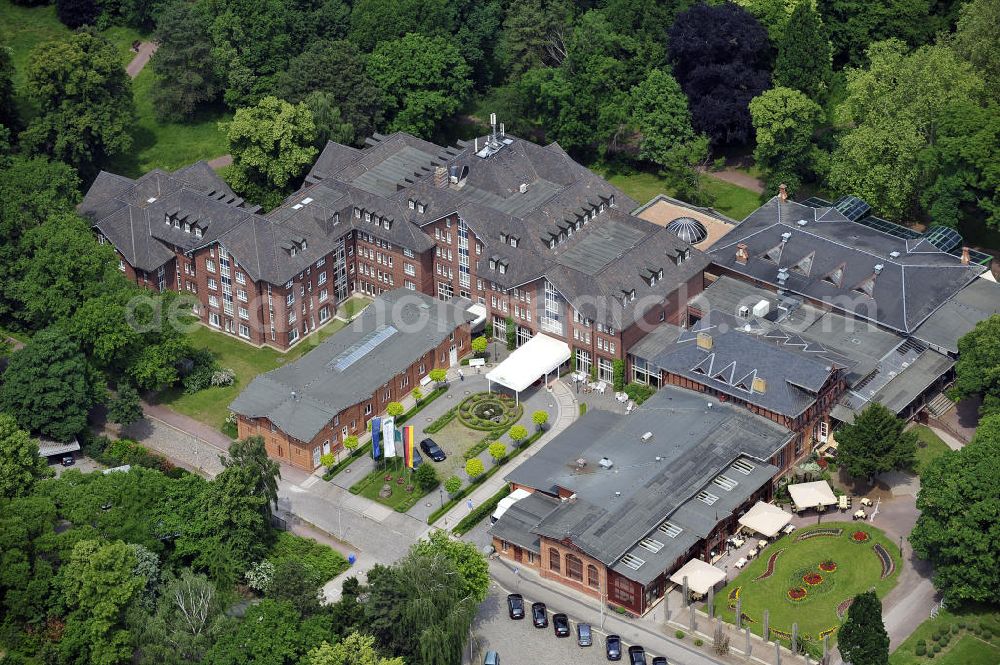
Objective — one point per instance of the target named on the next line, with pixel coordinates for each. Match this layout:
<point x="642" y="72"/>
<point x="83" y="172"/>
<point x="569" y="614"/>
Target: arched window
<point x="553" y="559"/>
<point x="592" y="579"/>
<point x="574" y="568"/>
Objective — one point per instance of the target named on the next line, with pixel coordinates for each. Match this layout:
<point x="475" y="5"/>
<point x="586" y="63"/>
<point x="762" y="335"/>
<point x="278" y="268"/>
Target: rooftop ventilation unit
<point x="782" y="276"/>
<point x="802" y="222"/>
<point x="606" y="463"/>
<point x="763" y="306"/>
<point x="894" y="254"/>
<point x="744" y="312"/>
<point x="647" y="437"/>
<point x="524" y="187"/>
<point x="786" y="236"/>
<point x="878" y="268"/>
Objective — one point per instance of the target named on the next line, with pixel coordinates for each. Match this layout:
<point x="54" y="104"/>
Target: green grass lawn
<point x="399" y="498"/>
<point x="352" y="306"/>
<point x="929" y="447"/>
<point x="858" y="568"/>
<point x="211" y="405"/>
<point x="168" y="145"/>
<point x="729" y="199"/>
<point x="965" y="646"/>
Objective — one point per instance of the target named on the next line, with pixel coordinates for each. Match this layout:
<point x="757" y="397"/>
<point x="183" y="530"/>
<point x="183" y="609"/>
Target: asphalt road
<point x="520" y="643"/>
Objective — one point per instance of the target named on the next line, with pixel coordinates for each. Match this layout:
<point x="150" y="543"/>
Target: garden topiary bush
<point x="920" y="649"/>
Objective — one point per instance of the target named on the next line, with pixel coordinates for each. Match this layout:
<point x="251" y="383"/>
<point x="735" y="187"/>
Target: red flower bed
<point x="812" y="579"/>
<point x="828" y="566"/>
<point x="860" y="536"/>
<point x="796" y="593"/>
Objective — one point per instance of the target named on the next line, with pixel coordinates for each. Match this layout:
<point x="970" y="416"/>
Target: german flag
<point x="408" y="446"/>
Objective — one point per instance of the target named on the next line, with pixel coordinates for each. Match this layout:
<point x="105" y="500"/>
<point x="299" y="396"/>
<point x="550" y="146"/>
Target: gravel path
<point x="142" y="56"/>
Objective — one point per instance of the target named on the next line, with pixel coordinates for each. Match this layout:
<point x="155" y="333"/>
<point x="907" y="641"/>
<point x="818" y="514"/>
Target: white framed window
<point x="240" y="277"/>
<point x="209" y="265"/>
<point x="213" y="319"/>
<point x="244" y="330"/>
<point x="121" y="264"/>
<point x="244" y="313"/>
<point x="323" y="295"/>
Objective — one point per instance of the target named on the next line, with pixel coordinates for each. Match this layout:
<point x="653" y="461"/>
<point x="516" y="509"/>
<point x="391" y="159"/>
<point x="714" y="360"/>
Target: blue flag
<point x="376" y="437"/>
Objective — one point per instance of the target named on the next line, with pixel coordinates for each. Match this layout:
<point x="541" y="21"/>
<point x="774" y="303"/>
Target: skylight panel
<point x="652" y="545"/>
<point x="362" y="348"/>
<point x="671" y="529"/>
<point x="707" y="497"/>
<point x="725" y="482"/>
<point x="744" y="467"/>
<point x="632" y="561"/>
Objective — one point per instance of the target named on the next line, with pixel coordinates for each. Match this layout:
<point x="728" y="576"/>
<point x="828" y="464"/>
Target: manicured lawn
<point x="964" y="647"/>
<point x="211" y="405"/>
<point x="400" y="498"/>
<point x="168" y="146"/>
<point x="858" y="568"/>
<point x="929" y="447"/>
<point x="352" y="306"/>
<point x="729" y="199"/>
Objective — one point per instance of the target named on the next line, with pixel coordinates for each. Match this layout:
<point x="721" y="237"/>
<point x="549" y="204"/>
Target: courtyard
<point x="809" y="577"/>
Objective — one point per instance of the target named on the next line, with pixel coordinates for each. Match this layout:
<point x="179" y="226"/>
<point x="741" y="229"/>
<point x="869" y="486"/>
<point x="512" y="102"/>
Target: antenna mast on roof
<point x="493" y="125"/>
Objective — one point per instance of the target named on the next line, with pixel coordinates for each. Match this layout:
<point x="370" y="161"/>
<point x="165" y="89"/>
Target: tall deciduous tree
<point x="862" y="640"/>
<point x="76" y="13"/>
<point x="186" y="75"/>
<point x="8" y="109"/>
<point x="899" y="106"/>
<point x="425" y="79"/>
<point x="855" y="24"/>
<point x="533" y="35"/>
<point x="978" y="369"/>
<point x="272" y="146"/>
<point x="959" y="525"/>
<point x="467" y="559"/>
<point x="125" y="408"/>
<point x="773" y="15"/>
<point x="84" y="99"/>
<point x="49" y="387"/>
<point x="20" y="465"/>
<point x="978" y="41"/>
<point x="99" y="584"/>
<point x="784" y="120"/>
<point x="658" y="110"/>
<point x="375" y="21"/>
<point x="179" y="630"/>
<point x="355" y="649"/>
<point x="805" y="57"/>
<point x="721" y="58"/>
<point x="875" y="443"/>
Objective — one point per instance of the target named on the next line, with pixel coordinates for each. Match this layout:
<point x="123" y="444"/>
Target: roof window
<point x="670" y="529"/>
<point x="707" y="497"/>
<point x="632" y="561"/>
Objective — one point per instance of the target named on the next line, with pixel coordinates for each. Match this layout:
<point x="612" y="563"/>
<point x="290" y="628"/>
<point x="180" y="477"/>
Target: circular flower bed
<point x="812" y="579"/>
<point x="828" y="566"/>
<point x="486" y="411"/>
<point x="860" y="536"/>
<point x="796" y="593"/>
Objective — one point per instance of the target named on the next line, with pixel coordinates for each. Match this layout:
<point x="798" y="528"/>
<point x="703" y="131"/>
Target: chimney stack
<point x="965" y="255"/>
<point x="440" y="177"/>
<point x="783" y="192"/>
<point x="704" y="341"/>
<point x="742" y="253"/>
<point x="759" y="385"/>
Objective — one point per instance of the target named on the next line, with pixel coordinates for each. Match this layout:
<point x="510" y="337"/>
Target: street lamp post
<point x="441" y="495"/>
<point x="900" y="545"/>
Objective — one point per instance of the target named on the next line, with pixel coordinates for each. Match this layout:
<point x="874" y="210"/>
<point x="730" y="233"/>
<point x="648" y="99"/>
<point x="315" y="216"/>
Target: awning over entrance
<point x="810" y="495"/>
<point x="766" y="519"/>
<point x="701" y="576"/>
<point x="534" y="359"/>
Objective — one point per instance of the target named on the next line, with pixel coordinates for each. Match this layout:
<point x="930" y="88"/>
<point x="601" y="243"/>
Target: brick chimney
<point x="742" y="253"/>
<point x="965" y="255"/>
<point x="783" y="192"/>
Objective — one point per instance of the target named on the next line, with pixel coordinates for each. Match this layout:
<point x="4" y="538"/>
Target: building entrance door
<point x="453" y="355"/>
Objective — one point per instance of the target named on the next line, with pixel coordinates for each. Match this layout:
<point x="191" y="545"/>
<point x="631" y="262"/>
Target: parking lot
<point x="520" y="643"/>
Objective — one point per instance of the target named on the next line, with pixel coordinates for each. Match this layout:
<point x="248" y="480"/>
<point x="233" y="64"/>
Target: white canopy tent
<point x="766" y="519"/>
<point x="811" y="495"/>
<point x="701" y="576"/>
<point x="537" y="357"/>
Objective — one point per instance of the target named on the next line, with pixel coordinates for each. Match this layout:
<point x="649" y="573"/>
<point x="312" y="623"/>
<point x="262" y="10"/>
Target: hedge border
<point x="468" y="522"/>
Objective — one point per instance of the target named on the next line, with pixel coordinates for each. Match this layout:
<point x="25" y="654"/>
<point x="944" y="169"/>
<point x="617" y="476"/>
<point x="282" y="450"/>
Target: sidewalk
<point x="142" y="56"/>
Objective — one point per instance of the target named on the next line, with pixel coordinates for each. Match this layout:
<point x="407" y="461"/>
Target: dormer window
<point x="292" y="250"/>
<point x="187" y="228"/>
<point x="197" y="232"/>
<point x="368" y="216"/>
<point x="513" y="242"/>
<point x="552" y="243"/>
<point x="177" y="223"/>
<point x="421" y="208"/>
<point x="612" y="200"/>
<point x="503" y="268"/>
<point x="385" y="223"/>
<point x="631" y="295"/>
<point x="659" y="274"/>
<point x="503" y="238"/>
<point x="303" y="243"/>
<point x="412" y="204"/>
<point x="493" y="264"/>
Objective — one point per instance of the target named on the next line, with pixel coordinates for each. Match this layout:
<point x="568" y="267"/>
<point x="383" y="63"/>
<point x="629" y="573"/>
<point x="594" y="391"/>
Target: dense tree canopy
<point x="84" y="100"/>
<point x="49" y="386"/>
<point x="20" y="465"/>
<point x="784" y="121"/>
<point x="8" y="107"/>
<point x="856" y="24"/>
<point x="425" y="80"/>
<point x="875" y="443"/>
<point x="186" y="76"/>
<point x="978" y="369"/>
<point x="978" y="41"/>
<point x="804" y="61"/>
<point x="721" y="58"/>
<point x="959" y="525"/>
<point x="862" y="640"/>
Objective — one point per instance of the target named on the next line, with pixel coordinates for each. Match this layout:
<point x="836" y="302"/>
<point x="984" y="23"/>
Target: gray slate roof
<point x="976" y="302"/>
<point x="615" y="508"/>
<point x="517" y="524"/>
<point x="832" y="259"/>
<point x="303" y="397"/>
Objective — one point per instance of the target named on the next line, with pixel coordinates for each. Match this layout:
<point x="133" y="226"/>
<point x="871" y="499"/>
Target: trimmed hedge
<point x="639" y="392"/>
<point x="476" y="516"/>
<point x="483" y="444"/>
<point x="467" y="490"/>
<point x="442" y="421"/>
<point x="326" y="561"/>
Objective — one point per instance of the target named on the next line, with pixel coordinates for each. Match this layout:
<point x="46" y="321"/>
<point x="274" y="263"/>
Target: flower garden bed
<point x="888" y="565"/>
<point x="770" y="566"/>
<point x="812" y="579"/>
<point x="860" y="536"/>
<point x="489" y="411"/>
<point x="828" y="566"/>
<point x="819" y="532"/>
<point x="797" y="593"/>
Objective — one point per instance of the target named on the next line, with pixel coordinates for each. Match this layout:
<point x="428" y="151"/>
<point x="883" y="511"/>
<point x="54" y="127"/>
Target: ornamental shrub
<point x="920" y="649"/>
<point x="679" y="634"/>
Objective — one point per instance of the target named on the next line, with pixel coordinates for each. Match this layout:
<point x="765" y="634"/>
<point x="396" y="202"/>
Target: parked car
<point x="539" y="617"/>
<point x="432" y="449"/>
<point x="613" y="647"/>
<point x="636" y="655"/>
<point x="515" y="606"/>
<point x="584" y="637"/>
<point x="660" y="660"/>
<point x="560" y="624"/>
<point x="418" y="459"/>
<point x="492" y="658"/>
<point x="69" y="460"/>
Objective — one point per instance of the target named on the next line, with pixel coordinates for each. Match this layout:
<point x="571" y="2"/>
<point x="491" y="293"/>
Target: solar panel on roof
<point x="852" y="207"/>
<point x="944" y="238"/>
<point x="359" y="350"/>
<point x="886" y="226"/>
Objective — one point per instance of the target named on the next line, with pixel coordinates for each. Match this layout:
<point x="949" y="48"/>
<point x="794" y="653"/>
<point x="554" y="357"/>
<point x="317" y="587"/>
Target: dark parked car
<point x="613" y="645"/>
<point x="583" y="635"/>
<point x="538" y="615"/>
<point x="417" y="459"/>
<point x="515" y="606"/>
<point x="432" y="449"/>
<point x="560" y="624"/>
<point x="69" y="460"/>
<point x="636" y="656"/>
<point x="660" y="660"/>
